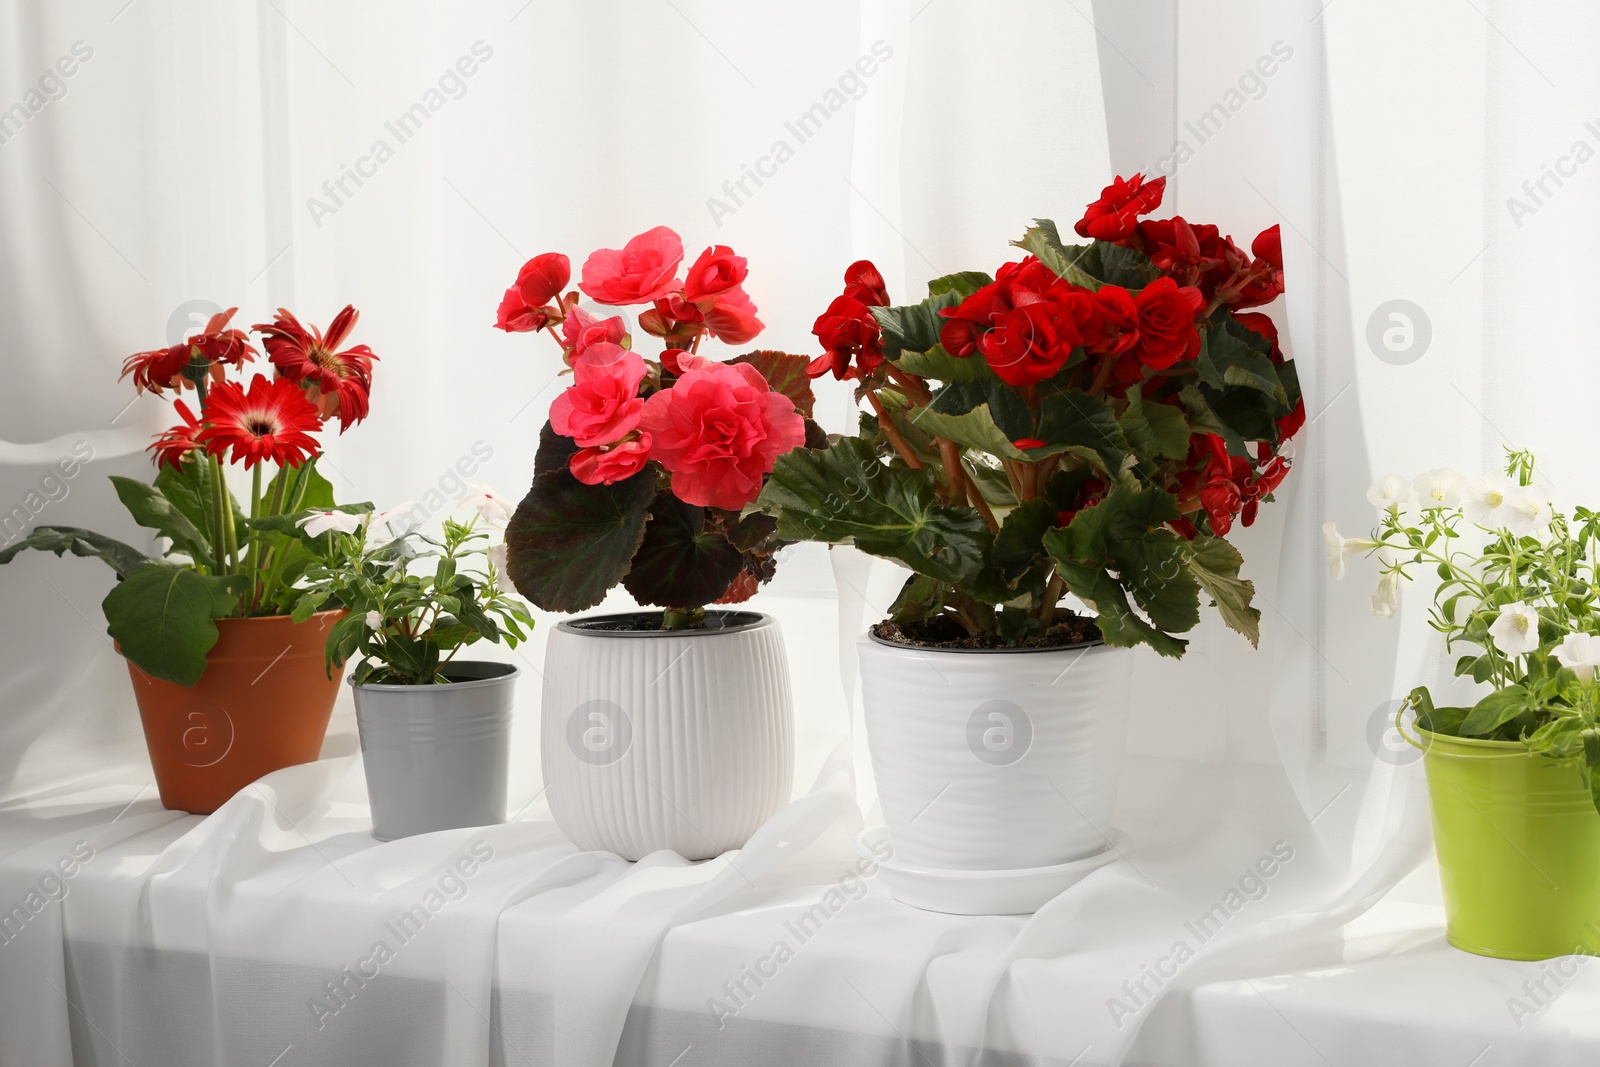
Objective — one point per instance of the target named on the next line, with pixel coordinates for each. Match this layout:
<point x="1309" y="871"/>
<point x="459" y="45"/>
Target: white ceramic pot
<point x="666" y="739"/>
<point x="437" y="757"/>
<point x="1002" y="760"/>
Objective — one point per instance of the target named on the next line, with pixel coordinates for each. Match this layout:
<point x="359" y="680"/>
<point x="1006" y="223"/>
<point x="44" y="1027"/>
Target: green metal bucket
<point x="1518" y="839"/>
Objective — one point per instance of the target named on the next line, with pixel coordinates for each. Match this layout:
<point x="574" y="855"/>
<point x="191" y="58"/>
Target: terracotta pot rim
<point x="282" y="618"/>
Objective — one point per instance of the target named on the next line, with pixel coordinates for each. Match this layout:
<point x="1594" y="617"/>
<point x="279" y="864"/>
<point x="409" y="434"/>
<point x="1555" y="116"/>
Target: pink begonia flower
<point x="643" y="270"/>
<point x="718" y="430"/>
<point x="580" y="330"/>
<point x="717" y="270"/>
<point x="732" y="319"/>
<point x="602" y="405"/>
<point x="603" y="466"/>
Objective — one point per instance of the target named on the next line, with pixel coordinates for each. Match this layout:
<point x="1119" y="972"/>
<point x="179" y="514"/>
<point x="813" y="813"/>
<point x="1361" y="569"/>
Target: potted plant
<point x="435" y="730"/>
<point x="1512" y="779"/>
<point x="1090" y="421"/>
<point x="229" y="687"/>
<point x="670" y="728"/>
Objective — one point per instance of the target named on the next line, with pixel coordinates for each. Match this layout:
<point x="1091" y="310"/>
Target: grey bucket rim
<point x="572" y="626"/>
<point x="506" y="672"/>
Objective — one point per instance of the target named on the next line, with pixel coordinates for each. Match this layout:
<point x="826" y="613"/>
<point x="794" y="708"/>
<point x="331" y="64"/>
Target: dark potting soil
<point x="650" y="622"/>
<point x="945" y="633"/>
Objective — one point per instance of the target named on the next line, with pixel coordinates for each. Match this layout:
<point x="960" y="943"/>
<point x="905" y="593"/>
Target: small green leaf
<point x="1043" y="241"/>
<point x="974" y="429"/>
<point x="785" y="373"/>
<point x="154" y="511"/>
<point x="941" y="366"/>
<point x="846" y="494"/>
<point x="920" y="598"/>
<point x="1154" y="429"/>
<point x="915" y="327"/>
<point x="1215" y="565"/>
<point x="963" y="283"/>
<point x="162" y="616"/>
<point x="1073" y="418"/>
<point x="1494" y="711"/>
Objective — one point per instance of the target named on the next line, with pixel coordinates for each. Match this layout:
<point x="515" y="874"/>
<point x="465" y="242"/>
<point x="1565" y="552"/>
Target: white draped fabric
<point x="1429" y="165"/>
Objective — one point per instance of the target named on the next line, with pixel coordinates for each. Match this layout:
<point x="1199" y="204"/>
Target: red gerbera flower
<point x="338" y="382"/>
<point x="218" y="344"/>
<point x="274" y="420"/>
<point x="172" y="445"/>
<point x="157" y="369"/>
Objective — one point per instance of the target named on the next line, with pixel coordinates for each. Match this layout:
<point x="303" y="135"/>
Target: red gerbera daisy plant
<point x="337" y="380"/>
<point x="218" y="560"/>
<point x="273" y="421"/>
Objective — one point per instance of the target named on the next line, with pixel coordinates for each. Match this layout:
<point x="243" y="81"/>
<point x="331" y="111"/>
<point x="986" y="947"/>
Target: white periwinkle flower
<point x="1386" y="598"/>
<point x="1580" y="653"/>
<point x="1516" y="631"/>
<point x="374" y="621"/>
<point x="1439" y="488"/>
<point x="1390" y="491"/>
<point x="319" y="523"/>
<point x="495" y="509"/>
<point x="1341" y="548"/>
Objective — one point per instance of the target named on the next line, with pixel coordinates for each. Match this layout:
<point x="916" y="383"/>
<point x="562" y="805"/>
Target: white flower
<point x="1580" y="653"/>
<point x="1528" y="511"/>
<point x="1390" y="491"/>
<point x="1439" y="488"/>
<point x="1516" y="631"/>
<point x="1485" y="500"/>
<point x="319" y="523"/>
<point x="374" y="621"/>
<point x="497" y="557"/>
<point x="1386" y="598"/>
<point x="495" y="509"/>
<point x="388" y="515"/>
<point x="1341" y="548"/>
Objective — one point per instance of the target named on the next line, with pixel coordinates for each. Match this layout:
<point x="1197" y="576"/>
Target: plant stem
<point x="954" y="477"/>
<point x="681" y="619"/>
<point x="914" y="387"/>
<point x="250" y="560"/>
<point x="1052" y="593"/>
<point x="975" y="494"/>
<point x="1103" y="376"/>
<point x="886" y="424"/>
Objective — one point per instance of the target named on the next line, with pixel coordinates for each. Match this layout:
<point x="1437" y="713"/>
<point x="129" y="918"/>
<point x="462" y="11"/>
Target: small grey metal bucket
<point x="437" y="756"/>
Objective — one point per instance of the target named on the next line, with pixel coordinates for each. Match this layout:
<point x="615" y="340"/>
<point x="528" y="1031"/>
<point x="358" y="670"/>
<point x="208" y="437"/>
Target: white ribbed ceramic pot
<point x="667" y="739"/>
<point x="995" y="760"/>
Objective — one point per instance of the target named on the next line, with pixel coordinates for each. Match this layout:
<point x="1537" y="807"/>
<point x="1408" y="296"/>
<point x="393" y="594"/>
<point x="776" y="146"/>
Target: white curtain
<point x="1423" y="160"/>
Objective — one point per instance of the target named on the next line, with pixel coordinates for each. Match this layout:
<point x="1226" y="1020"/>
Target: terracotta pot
<point x="262" y="705"/>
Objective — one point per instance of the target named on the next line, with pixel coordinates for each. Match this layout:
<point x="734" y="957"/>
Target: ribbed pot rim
<point x="915" y="649"/>
<point x="753" y="620"/>
<point x="503" y="674"/>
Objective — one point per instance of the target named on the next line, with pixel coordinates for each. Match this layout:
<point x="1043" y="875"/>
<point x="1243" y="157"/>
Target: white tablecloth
<point x="279" y="932"/>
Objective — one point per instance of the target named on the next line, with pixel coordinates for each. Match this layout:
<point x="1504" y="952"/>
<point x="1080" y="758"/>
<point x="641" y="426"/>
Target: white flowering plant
<point x="414" y="600"/>
<point x="1519" y="586"/>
